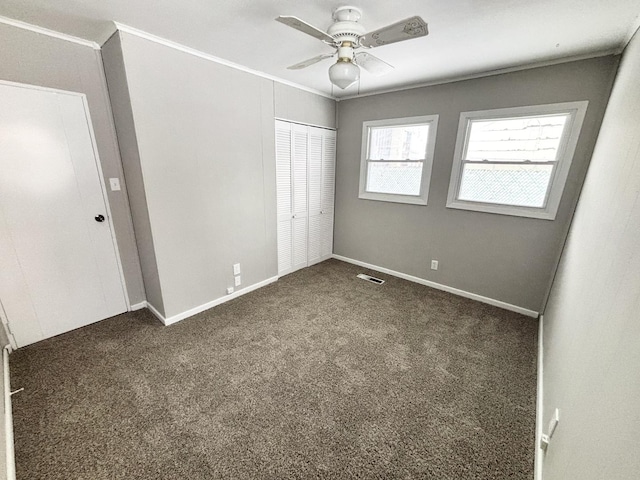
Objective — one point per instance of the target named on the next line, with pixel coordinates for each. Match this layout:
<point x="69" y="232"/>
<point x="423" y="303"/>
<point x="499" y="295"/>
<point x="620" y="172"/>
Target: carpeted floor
<point x="320" y="375"/>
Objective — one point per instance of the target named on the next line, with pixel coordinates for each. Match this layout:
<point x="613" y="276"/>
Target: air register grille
<point x="371" y="279"/>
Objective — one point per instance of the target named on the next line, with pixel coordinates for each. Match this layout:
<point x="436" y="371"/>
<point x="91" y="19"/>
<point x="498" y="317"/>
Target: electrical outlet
<point x="229" y="290"/>
<point x="238" y="281"/>
<point x="434" y="264"/>
<point x="236" y="269"/>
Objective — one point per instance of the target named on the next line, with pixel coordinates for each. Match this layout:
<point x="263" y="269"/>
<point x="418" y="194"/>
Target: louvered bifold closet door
<point x="328" y="193"/>
<point x="315" y="157"/>
<point x="284" y="197"/>
<point x="299" y="148"/>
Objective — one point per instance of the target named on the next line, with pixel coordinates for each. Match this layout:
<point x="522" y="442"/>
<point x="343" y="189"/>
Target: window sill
<point x="530" y="212"/>
<point x="389" y="197"/>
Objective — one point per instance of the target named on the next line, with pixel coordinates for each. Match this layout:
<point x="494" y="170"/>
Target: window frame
<point x="576" y="112"/>
<point x="427" y="162"/>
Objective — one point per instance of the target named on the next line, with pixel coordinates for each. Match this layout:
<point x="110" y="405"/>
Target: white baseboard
<point x="206" y="306"/>
<point x="155" y="311"/>
<point x="138" y="306"/>
<point x="539" y="453"/>
<point x="445" y="288"/>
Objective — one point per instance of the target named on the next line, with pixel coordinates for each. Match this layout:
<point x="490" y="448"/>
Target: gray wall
<point x="125" y="127"/>
<point x="32" y="58"/>
<point x="592" y="321"/>
<point x="206" y="157"/>
<point x="506" y="258"/>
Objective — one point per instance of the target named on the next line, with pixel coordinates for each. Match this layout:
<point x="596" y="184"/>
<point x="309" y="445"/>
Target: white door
<point x="59" y="269"/>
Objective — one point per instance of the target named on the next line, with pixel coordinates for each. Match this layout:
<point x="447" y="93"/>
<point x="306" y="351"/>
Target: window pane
<point x="519" y="185"/>
<point x="404" y="142"/>
<point x="394" y="177"/>
<point x="516" y="139"/>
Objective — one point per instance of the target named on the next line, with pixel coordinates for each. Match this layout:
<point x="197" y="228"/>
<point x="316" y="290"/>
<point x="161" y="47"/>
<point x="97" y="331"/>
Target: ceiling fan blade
<point x="295" y="22"/>
<point x="311" y="61"/>
<point x="413" y="27"/>
<point x="372" y="64"/>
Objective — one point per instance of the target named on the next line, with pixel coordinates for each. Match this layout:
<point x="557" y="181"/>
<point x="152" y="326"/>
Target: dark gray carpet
<point x="320" y="375"/>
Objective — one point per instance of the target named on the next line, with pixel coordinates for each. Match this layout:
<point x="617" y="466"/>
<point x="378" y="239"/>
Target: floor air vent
<point x="371" y="279"/>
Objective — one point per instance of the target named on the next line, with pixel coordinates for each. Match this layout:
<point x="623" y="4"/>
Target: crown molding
<point x="49" y="33"/>
<point x="197" y="53"/>
<point x="489" y="73"/>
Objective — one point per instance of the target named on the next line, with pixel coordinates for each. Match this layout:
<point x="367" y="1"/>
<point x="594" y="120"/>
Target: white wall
<point x="592" y="321"/>
<point x="205" y="138"/>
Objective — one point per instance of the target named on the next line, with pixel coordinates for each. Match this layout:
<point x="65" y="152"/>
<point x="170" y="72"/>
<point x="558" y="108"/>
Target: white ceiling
<point x="467" y="37"/>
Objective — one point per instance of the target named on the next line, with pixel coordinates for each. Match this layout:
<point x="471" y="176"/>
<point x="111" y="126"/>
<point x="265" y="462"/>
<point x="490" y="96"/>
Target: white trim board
<point x="539" y="453"/>
<point x="10" y="463"/>
<point x="206" y="306"/>
<point x="41" y="88"/>
<point x="444" y="288"/>
<point x="49" y="33"/>
<point x="305" y="124"/>
<point x="7" y="330"/>
<point x="197" y="53"/>
<point x="138" y="306"/>
<point x="105" y="197"/>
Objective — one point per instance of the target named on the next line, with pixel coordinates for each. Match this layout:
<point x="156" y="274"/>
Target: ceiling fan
<point x="347" y="35"/>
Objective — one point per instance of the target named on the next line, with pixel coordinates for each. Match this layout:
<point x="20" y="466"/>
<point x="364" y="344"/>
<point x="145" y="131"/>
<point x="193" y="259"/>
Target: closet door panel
<point x="299" y="154"/>
<point x="315" y="239"/>
<point x="326" y="236"/>
<point x="285" y="247"/>
<point x="328" y="192"/>
<point x="305" y="175"/>
<point x="316" y="136"/>
<point x="299" y="164"/>
<point x="315" y="170"/>
<point x="328" y="169"/>
<point x="284" y="197"/>
<point x="299" y="241"/>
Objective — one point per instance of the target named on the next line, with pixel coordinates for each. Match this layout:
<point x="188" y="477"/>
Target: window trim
<point x="566" y="151"/>
<point x="422" y="197"/>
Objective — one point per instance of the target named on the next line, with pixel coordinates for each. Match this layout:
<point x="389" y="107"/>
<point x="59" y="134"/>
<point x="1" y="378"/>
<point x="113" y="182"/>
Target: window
<point x="515" y="161"/>
<point x="397" y="155"/>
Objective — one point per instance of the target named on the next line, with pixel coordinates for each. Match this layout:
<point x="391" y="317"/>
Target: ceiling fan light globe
<point x="344" y="74"/>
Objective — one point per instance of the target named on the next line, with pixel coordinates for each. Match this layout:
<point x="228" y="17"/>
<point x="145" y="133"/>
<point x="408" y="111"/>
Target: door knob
<point x="100" y="218"/>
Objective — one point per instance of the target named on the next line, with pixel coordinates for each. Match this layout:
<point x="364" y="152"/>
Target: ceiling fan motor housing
<point x="346" y="27"/>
